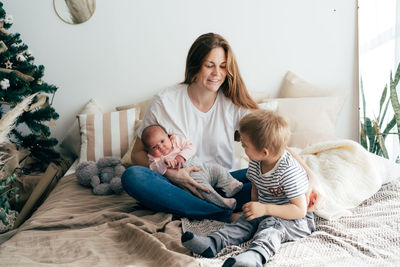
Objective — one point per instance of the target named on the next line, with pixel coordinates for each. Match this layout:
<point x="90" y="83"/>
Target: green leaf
<point x="363" y="138"/>
<point x="382" y="101"/>
<point x="384" y="113"/>
<point x="363" y="106"/>
<point x="397" y="76"/>
<point x="370" y="133"/>
<point x="377" y="147"/>
<point x="381" y="143"/>
<point x="394" y="98"/>
<point x="389" y="126"/>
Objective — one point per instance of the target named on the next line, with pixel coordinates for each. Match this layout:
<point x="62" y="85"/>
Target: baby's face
<point x="159" y="144"/>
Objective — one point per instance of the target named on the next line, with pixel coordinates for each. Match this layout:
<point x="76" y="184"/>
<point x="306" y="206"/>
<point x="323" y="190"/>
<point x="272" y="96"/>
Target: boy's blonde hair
<point x="266" y="129"/>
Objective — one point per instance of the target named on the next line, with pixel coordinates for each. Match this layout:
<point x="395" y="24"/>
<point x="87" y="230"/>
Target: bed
<point x="74" y="227"/>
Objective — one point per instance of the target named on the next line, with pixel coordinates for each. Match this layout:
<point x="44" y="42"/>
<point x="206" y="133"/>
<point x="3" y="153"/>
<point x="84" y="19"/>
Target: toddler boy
<point x="277" y="212"/>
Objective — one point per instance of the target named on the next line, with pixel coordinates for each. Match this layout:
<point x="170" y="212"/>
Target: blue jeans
<point x="156" y="192"/>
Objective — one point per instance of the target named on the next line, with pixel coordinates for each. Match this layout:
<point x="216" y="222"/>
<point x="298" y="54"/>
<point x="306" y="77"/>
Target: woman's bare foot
<point x="235" y="216"/>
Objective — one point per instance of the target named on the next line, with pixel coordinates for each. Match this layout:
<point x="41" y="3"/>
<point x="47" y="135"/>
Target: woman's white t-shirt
<point x="211" y="132"/>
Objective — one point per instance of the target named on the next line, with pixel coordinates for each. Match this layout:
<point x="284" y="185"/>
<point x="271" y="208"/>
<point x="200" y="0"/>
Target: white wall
<point x="130" y="49"/>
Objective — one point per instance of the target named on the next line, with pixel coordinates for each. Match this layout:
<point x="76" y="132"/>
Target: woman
<point x="205" y="108"/>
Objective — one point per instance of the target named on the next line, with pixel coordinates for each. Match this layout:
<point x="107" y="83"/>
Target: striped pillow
<point x="108" y="134"/>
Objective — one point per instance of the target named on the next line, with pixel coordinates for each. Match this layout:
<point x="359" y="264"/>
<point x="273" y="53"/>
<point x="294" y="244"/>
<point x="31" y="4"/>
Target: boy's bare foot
<point x="235" y="216"/>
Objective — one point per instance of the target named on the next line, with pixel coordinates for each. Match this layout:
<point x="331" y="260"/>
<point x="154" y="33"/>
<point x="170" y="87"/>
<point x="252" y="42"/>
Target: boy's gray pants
<point x="212" y="175"/>
<point x="269" y="233"/>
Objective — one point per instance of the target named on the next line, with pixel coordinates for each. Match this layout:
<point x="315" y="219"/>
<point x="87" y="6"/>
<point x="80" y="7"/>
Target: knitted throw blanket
<point x="346" y="172"/>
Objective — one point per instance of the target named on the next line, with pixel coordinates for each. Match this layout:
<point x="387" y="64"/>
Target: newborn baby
<point x="174" y="151"/>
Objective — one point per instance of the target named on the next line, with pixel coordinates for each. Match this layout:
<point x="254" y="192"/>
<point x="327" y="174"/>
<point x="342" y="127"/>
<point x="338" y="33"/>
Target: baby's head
<point x="156" y="141"/>
<point x="262" y="130"/>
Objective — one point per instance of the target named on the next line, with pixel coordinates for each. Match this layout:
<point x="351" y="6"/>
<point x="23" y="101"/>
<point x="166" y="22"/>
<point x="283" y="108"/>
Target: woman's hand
<point x="315" y="194"/>
<point x="316" y="199"/>
<point x="182" y="179"/>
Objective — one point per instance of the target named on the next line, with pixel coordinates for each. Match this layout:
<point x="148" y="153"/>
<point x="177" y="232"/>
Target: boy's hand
<point x="180" y="162"/>
<point x="254" y="210"/>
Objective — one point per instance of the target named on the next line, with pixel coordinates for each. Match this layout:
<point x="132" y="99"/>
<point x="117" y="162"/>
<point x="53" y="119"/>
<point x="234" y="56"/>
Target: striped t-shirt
<point x="287" y="180"/>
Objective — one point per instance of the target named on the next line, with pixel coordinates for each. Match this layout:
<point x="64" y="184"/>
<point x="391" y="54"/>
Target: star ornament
<point x="8" y="64"/>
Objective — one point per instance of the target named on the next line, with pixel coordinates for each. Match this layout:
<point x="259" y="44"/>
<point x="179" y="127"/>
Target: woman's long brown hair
<point x="233" y="87"/>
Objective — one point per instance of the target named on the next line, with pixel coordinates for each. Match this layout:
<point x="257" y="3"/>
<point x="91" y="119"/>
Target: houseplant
<point x="374" y="131"/>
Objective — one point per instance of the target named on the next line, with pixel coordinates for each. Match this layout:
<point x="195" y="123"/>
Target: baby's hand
<point x="180" y="161"/>
<point x="171" y="163"/>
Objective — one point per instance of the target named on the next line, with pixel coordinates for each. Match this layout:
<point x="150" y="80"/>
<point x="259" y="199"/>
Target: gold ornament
<point x="8" y="64"/>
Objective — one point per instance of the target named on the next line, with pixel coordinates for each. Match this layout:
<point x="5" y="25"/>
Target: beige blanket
<point x="73" y="227"/>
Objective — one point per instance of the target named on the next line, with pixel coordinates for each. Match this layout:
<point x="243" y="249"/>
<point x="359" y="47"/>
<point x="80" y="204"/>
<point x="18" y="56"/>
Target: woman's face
<point x="213" y="71"/>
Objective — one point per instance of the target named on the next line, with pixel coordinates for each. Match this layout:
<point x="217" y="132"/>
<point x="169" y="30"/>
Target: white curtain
<point x="379" y="54"/>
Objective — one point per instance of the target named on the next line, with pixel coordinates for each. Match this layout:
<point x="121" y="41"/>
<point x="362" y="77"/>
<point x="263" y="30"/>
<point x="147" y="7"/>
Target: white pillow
<point x="294" y="86"/>
<point x="72" y="140"/>
<point x="311" y="119"/>
<point x="259" y="97"/>
<point x="108" y="134"/>
<point x="140" y="107"/>
<point x="270" y="104"/>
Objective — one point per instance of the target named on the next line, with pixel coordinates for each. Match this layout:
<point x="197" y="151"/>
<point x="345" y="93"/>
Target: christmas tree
<point x="20" y="78"/>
